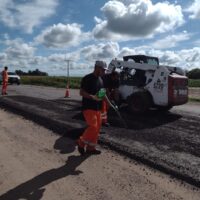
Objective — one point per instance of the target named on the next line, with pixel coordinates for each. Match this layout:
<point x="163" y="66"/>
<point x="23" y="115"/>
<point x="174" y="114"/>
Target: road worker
<point x="91" y="84"/>
<point x="111" y="83"/>
<point x="4" y="74"/>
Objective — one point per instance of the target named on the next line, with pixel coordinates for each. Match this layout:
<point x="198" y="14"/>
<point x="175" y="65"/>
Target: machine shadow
<point x="150" y="119"/>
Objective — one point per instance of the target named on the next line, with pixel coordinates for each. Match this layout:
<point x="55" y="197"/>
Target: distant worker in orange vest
<point x="91" y="84"/>
<point x="4" y="80"/>
<point x="111" y="83"/>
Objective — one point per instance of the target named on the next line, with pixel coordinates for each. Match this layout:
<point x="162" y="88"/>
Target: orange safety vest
<point x="4" y="76"/>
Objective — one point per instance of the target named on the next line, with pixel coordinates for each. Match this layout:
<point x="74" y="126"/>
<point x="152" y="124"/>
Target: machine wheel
<point x="164" y="108"/>
<point x="117" y="98"/>
<point x="119" y="101"/>
<point x="139" y="102"/>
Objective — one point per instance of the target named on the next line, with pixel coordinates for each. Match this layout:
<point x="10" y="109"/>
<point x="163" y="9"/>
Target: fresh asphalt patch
<point x="168" y="141"/>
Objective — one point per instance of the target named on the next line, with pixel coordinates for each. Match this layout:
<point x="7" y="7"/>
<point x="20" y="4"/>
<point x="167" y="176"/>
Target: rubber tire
<point x="120" y="101"/>
<point x="164" y="108"/>
<point x="139" y="102"/>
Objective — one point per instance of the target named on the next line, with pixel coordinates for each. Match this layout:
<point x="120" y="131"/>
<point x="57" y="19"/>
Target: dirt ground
<point x="35" y="163"/>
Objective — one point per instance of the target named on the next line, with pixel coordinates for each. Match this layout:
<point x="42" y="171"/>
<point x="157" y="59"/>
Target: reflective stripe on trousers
<point x="4" y="87"/>
<point x="104" y="116"/>
<point x="104" y="111"/>
<point x="88" y="143"/>
<point x="91" y="133"/>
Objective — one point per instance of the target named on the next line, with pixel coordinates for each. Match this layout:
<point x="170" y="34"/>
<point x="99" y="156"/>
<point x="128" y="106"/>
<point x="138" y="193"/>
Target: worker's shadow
<point x="66" y="145"/>
<point x="34" y="188"/>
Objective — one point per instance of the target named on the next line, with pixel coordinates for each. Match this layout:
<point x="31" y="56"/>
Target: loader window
<point x="152" y="61"/>
<point x="143" y="59"/>
<point x="125" y="76"/>
<point x="137" y="78"/>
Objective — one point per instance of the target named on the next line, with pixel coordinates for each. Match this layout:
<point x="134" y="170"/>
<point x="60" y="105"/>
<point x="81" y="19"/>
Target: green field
<point x="194" y="82"/>
<point x="54" y="81"/>
<point x="61" y="81"/>
<point x="194" y="99"/>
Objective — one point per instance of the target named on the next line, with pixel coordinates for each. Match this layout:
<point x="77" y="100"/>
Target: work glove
<point x="101" y="93"/>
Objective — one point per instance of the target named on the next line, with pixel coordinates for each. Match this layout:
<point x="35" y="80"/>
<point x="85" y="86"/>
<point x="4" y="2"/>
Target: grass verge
<point x="194" y="99"/>
<point x="54" y="81"/>
<point x="194" y="83"/>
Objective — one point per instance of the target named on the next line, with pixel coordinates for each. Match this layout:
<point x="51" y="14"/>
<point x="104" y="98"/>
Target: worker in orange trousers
<point x="4" y="80"/>
<point x="111" y="83"/>
<point x="91" y="106"/>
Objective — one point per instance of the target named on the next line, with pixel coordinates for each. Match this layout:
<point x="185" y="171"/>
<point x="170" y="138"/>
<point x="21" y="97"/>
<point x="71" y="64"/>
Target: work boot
<point x="106" y="124"/>
<point x="93" y="152"/>
<point x="81" y="148"/>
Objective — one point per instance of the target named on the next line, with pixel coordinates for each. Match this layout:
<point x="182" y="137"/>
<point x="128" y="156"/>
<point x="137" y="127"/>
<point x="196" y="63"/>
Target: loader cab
<point x="133" y="77"/>
<point x="142" y="59"/>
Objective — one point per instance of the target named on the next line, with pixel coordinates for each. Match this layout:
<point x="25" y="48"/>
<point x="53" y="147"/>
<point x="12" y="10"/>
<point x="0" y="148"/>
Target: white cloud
<point x="63" y="57"/>
<point x="61" y="36"/>
<point x="37" y="60"/>
<point x="3" y="57"/>
<point x="20" y="55"/>
<point x="170" y="41"/>
<point x="194" y="9"/>
<point x="132" y="19"/>
<point x="26" y="15"/>
<point x="17" y="54"/>
<point x="185" y="58"/>
<point x="170" y="58"/>
<point x="56" y="58"/>
<point x="100" y="51"/>
<point x="20" y="51"/>
<point x="126" y="51"/>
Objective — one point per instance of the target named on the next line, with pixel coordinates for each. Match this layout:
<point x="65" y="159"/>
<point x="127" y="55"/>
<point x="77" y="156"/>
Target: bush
<point x="194" y="74"/>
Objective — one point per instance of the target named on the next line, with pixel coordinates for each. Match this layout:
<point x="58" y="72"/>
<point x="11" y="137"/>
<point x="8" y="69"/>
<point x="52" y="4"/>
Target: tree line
<point x="194" y="74"/>
<point x="36" y="72"/>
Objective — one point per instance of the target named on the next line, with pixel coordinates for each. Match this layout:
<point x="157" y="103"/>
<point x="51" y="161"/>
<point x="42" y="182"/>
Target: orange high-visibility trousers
<point x="4" y="87"/>
<point x="104" y="111"/>
<point x="91" y="133"/>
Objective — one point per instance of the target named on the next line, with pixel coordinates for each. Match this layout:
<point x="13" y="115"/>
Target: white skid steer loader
<point x="145" y="84"/>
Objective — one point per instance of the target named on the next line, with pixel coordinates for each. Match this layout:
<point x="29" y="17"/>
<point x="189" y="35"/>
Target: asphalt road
<point x="36" y="163"/>
<point x="169" y="142"/>
<point x="43" y="92"/>
<point x="51" y="93"/>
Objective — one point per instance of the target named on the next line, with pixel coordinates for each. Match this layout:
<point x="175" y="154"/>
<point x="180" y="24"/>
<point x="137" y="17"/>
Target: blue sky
<point x="37" y="34"/>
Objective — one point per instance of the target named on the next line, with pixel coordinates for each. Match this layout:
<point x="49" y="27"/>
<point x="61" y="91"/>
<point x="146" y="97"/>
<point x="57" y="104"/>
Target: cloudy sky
<point x="43" y="34"/>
